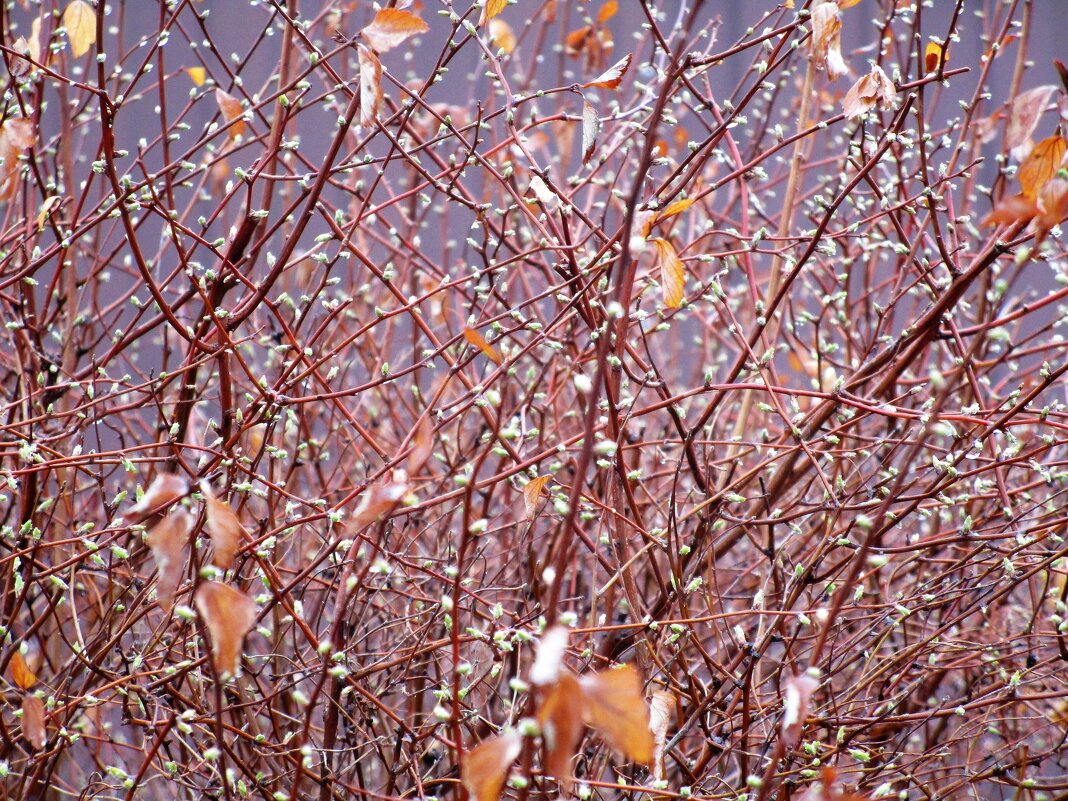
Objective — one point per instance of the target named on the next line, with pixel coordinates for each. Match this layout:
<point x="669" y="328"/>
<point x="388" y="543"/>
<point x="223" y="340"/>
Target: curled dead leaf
<point x="19" y="65"/>
<point x="661" y="714"/>
<point x="33" y="721"/>
<point x="560" y="717"/>
<point x="799" y="690"/>
<point x="532" y="493"/>
<point x="872" y="89"/>
<point x="475" y="338"/>
<point x="616" y="709"/>
<point x="227" y="533"/>
<point x="79" y="20"/>
<point x="486" y="766"/>
<point x="825" y="44"/>
<point x="164" y="490"/>
<point x="672" y="273"/>
<point x="590" y="126"/>
<point x="370" y="86"/>
<point x="167" y="540"/>
<point x="228" y="614"/>
<point x="232" y="112"/>
<point x="612" y="77"/>
<point x="392" y="27"/>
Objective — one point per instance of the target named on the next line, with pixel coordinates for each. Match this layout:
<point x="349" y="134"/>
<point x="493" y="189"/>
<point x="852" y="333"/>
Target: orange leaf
<point x="167" y="540"/>
<point x="672" y="209"/>
<point x="532" y="493"/>
<point x="1024" y="114"/>
<point x="575" y="42"/>
<point x="672" y="273"/>
<point x="844" y="4"/>
<point x="226" y="530"/>
<point x="1041" y="165"/>
<point x="612" y="77"/>
<point x="232" y="111"/>
<point x="1018" y="208"/>
<point x="590" y="125"/>
<point x="501" y="33"/>
<point x="33" y="722"/>
<point x="21" y="673"/>
<point x="934" y="56"/>
<point x="491" y="10"/>
<point x="161" y="493"/>
<point x="486" y="766"/>
<point x="370" y="86"/>
<point x="79" y="20"/>
<point x="661" y="714"/>
<point x="561" y="719"/>
<point x="391" y="27"/>
<point x="608" y="10"/>
<point x="479" y="341"/>
<point x="616" y="709"/>
<point x="197" y="75"/>
<point x="228" y="614"/>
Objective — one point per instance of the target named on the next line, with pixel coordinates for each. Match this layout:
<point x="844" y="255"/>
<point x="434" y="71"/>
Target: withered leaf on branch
<point x="232" y="112"/>
<point x="379" y="499"/>
<point x="486" y="766"/>
<point x="491" y="9"/>
<point x="531" y="494"/>
<point x="167" y="540"/>
<point x="934" y="56"/>
<point x="590" y="125"/>
<point x="1041" y="165"/>
<point x="21" y="672"/>
<point x="164" y="490"/>
<point x="392" y="27"/>
<point x="612" y="77"/>
<point x="370" y="86"/>
<point x="870" y="90"/>
<point x="228" y="614"/>
<point x="479" y="341"/>
<point x="825" y="48"/>
<point x="423" y="445"/>
<point x="79" y="20"/>
<point x="616" y="710"/>
<point x="561" y="719"/>
<point x="33" y="721"/>
<point x="672" y="273"/>
<point x="16" y="135"/>
<point x="227" y="533"/>
<point x="1024" y="114"/>
<point x="661" y="713"/>
<point x="502" y="35"/>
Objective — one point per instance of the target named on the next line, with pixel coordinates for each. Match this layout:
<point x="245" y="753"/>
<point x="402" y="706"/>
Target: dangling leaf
<point x="608" y="10"/>
<point x="392" y="27"/>
<point x="423" y="443"/>
<point x="612" y="77"/>
<point x="232" y="112"/>
<point x="380" y="499"/>
<point x="673" y="209"/>
<point x="1041" y="165"/>
<point x="370" y="86"/>
<point x="561" y="719"/>
<point x="590" y="126"/>
<point x="672" y="273"/>
<point x="661" y="713"/>
<point x="197" y="75"/>
<point x="486" y="766"/>
<point x="825" y="43"/>
<point x="21" y="673"/>
<point x="79" y="20"/>
<point x="167" y="540"/>
<point x="228" y="614"/>
<point x="491" y="9"/>
<point x="616" y="710"/>
<point x="873" y="89"/>
<point x="799" y="690"/>
<point x="227" y="533"/>
<point x="532" y="493"/>
<point x="16" y="135"/>
<point x="1024" y="114"/>
<point x="479" y="341"/>
<point x="20" y="65"/>
<point x="33" y="721"/>
<point x="934" y="56"/>
<point x="165" y="489"/>
<point x="501" y="33"/>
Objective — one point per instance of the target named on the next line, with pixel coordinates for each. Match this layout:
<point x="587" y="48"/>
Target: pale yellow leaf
<point x="197" y="75"/>
<point x="672" y="273"/>
<point x="491" y="9"/>
<point x="590" y="125"/>
<point x="501" y="33"/>
<point x="79" y="20"/>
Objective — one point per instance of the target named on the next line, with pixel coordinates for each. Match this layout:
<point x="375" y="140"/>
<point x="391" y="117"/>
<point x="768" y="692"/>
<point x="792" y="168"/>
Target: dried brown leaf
<point x="672" y="273"/>
<point x="612" y="77"/>
<point x="232" y="112"/>
<point x="228" y="614"/>
<point x="423" y="445"/>
<point x="486" y="766"/>
<point x="590" y="125"/>
<point x="561" y="719"/>
<point x="532" y="493"/>
<point x="19" y="65"/>
<point x="870" y="90"/>
<point x="1041" y="165"/>
<point x="21" y="672"/>
<point x="825" y="43"/>
<point x="1024" y="114"/>
<point x="164" y="490"/>
<point x="33" y="721"/>
<point x="79" y="20"/>
<point x="475" y="338"/>
<point x="370" y="86"/>
<point x="673" y="209"/>
<point x="380" y="499"/>
<point x="227" y="533"/>
<point x="167" y="540"/>
<point x="392" y="27"/>
<point x="661" y="714"/>
<point x="1014" y="209"/>
<point x="799" y="690"/>
<point x="616" y="710"/>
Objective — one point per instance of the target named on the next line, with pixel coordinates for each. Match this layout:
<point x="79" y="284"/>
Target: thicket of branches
<point x="374" y="381"/>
